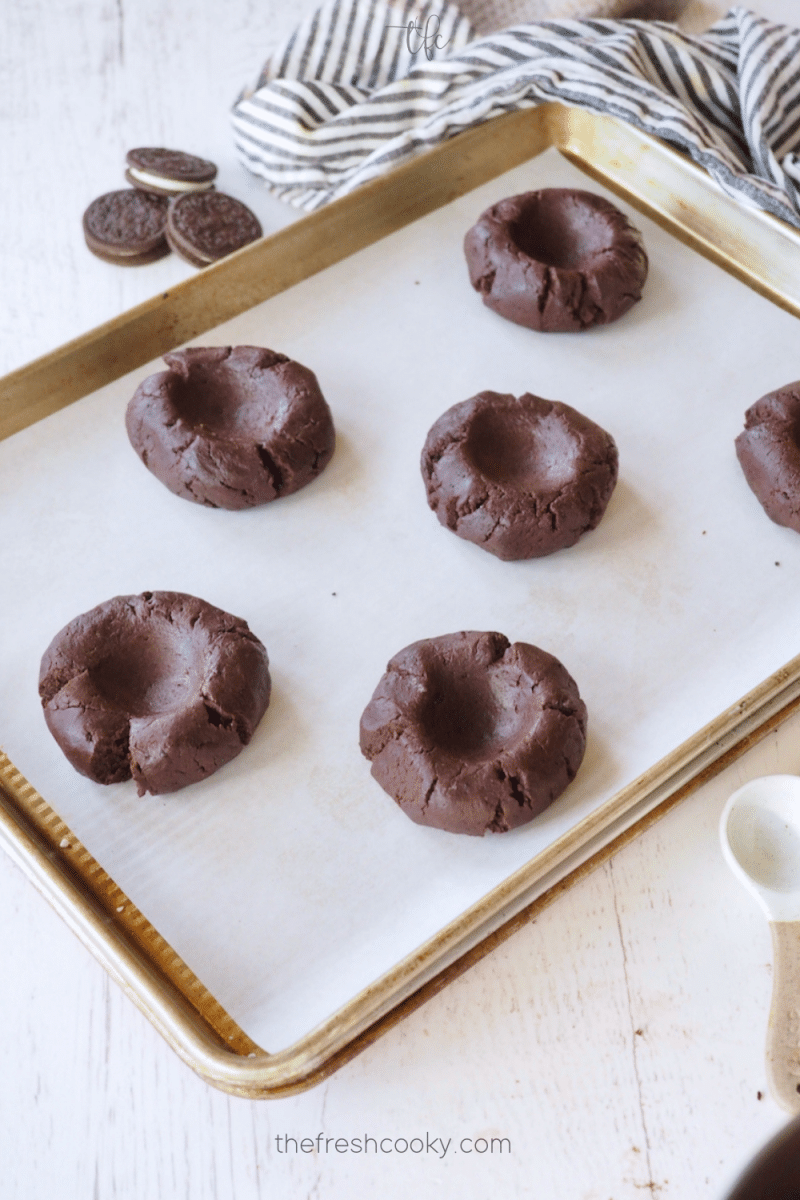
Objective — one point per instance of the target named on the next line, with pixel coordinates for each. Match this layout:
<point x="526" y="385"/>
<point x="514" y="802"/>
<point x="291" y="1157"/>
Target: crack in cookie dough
<point x="231" y="427"/>
<point x="522" y="477"/>
<point x="161" y="687"/>
<point x="471" y="734"/>
<point x="557" y="260"/>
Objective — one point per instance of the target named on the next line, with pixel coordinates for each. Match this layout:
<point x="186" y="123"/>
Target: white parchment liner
<point x="290" y="881"/>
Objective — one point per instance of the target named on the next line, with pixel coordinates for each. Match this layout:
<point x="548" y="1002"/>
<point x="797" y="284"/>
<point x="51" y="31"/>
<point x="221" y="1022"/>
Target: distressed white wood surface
<point x="617" y="1042"/>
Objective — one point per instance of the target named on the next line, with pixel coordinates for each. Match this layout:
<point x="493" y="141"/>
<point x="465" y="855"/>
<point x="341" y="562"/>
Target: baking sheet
<point x="289" y="881"/>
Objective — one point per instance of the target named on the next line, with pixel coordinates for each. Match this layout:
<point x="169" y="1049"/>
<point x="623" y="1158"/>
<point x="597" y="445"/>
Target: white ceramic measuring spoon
<point x="760" y="834"/>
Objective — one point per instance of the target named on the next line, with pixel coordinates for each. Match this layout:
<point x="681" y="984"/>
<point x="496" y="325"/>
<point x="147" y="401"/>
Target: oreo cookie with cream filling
<point x="205" y="226"/>
<point x="165" y="172"/>
<point x="126" y="227"/>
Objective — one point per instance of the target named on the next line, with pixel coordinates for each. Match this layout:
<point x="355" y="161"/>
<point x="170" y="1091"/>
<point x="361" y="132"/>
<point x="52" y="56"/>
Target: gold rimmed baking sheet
<point x="481" y="885"/>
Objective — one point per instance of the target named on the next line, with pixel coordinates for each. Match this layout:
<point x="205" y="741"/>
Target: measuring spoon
<point x="760" y="835"/>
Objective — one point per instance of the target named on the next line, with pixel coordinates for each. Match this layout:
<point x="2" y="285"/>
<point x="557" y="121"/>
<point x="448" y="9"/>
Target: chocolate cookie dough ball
<point x="519" y="477"/>
<point x="556" y="260"/>
<point x="471" y="734"/>
<point x="162" y="687"/>
<point x="231" y="428"/>
<point x="768" y="450"/>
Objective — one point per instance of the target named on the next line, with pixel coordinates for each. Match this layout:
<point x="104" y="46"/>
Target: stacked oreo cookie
<point x="161" y="172"/>
<point x="171" y="205"/>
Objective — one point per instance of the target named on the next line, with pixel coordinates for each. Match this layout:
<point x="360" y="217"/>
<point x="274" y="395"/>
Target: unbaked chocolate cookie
<point x="162" y="687"/>
<point x="127" y="227"/>
<point x="556" y="260"/>
<point x="231" y="427"/>
<point x="519" y="477"/>
<point x="473" y="735"/>
<point x="768" y="450"/>
<point x="205" y="226"/>
<point x="168" y="172"/>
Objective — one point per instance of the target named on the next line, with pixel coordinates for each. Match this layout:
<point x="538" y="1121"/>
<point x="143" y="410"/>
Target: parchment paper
<point x="289" y="881"/>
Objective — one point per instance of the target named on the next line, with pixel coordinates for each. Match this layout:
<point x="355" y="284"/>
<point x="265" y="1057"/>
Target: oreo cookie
<point x="165" y="172"/>
<point x="127" y="227"/>
<point x="203" y="227"/>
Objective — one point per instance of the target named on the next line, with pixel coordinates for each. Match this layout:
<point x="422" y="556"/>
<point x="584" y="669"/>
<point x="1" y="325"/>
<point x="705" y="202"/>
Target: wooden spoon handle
<point x="783" y="1032"/>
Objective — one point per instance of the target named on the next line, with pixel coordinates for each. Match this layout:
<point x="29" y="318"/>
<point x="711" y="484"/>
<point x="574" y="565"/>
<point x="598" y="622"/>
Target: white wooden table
<point x="616" y="1042"/>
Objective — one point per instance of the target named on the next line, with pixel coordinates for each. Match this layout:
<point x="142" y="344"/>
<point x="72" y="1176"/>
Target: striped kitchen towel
<point x="362" y="87"/>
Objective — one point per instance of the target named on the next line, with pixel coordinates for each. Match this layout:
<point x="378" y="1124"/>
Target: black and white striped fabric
<point x="361" y="87"/>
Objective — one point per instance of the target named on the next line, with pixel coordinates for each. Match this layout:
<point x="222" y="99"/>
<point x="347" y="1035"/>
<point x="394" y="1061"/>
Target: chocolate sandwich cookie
<point x="556" y="260"/>
<point x="473" y="735"/>
<point x="127" y="227"/>
<point x="161" y="687"/>
<point x="168" y="172"/>
<point x="768" y="450"/>
<point x="205" y="226"/>
<point x="231" y="427"/>
<point x="520" y="477"/>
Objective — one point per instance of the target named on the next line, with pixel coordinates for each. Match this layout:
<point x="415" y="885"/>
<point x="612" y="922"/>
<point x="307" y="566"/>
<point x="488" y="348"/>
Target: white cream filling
<point x="167" y="185"/>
